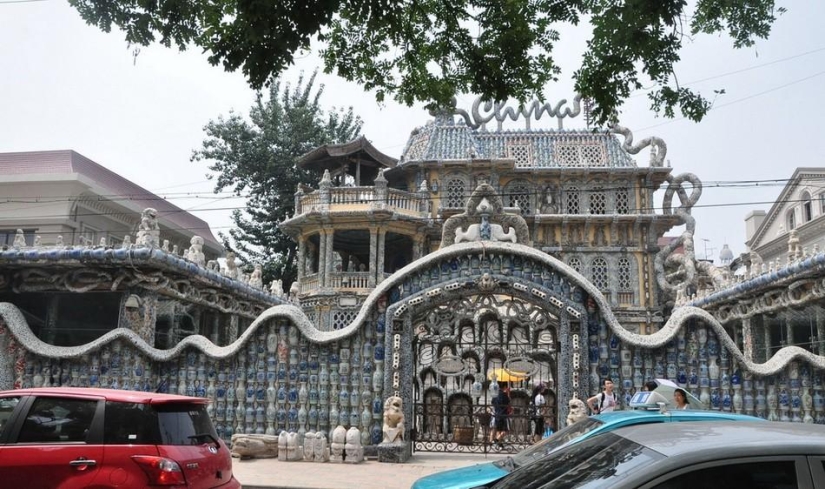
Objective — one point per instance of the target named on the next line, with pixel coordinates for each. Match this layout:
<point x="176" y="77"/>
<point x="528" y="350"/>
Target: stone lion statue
<point x="393" y="420"/>
<point x="149" y="229"/>
<point x="577" y="411"/>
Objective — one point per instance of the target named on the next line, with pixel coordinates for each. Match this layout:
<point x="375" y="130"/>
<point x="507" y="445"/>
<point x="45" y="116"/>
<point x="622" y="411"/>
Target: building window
<point x="7" y="236"/>
<point x="522" y="152"/>
<point x="88" y="236"/>
<point x="575" y="264"/>
<point x="519" y="195"/>
<point x="599" y="273"/>
<point x="456" y="193"/>
<point x="807" y="208"/>
<point x="822" y="203"/>
<point x="577" y="154"/>
<point x="572" y="200"/>
<point x="791" y="219"/>
<point x="623" y="274"/>
<point x="598" y="201"/>
<point x="622" y="201"/>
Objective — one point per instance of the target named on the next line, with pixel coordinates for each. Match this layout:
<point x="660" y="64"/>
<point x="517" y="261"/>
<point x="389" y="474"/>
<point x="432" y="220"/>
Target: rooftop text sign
<point x="484" y="111"/>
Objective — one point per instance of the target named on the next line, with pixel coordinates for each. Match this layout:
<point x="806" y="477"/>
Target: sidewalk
<point x="272" y="474"/>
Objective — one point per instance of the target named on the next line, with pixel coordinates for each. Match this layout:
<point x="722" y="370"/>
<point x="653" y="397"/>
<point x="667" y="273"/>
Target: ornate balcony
<point x="358" y="282"/>
<point x="328" y="198"/>
<point x="349" y="199"/>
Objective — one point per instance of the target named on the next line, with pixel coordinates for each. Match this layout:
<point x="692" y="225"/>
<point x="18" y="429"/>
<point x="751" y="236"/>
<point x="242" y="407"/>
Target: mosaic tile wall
<point x="697" y="361"/>
<point x="284" y="374"/>
<point x="278" y="380"/>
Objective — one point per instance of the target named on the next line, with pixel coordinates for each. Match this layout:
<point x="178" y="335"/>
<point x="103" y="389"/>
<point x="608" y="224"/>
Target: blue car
<point x="487" y="473"/>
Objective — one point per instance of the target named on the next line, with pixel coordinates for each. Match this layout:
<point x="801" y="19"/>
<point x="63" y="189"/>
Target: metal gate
<point x="466" y="348"/>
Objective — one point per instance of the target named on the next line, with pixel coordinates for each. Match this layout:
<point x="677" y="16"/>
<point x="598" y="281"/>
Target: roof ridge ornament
<point x="500" y="112"/>
<point x="658" y="148"/>
<point x="485" y="220"/>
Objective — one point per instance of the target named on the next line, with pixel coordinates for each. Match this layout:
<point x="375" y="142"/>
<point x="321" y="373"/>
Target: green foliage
<point x="430" y="50"/>
<point x="257" y="159"/>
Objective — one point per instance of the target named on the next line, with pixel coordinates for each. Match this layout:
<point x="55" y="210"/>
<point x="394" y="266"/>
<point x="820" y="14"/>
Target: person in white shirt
<point x="539" y="402"/>
<point x="605" y="401"/>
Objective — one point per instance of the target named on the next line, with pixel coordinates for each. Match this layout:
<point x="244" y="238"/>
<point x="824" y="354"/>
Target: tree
<point x="430" y="50"/>
<point x="258" y="159"/>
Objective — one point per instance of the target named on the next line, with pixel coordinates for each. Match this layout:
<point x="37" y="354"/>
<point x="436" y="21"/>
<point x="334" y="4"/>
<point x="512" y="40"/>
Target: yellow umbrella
<point x="504" y="375"/>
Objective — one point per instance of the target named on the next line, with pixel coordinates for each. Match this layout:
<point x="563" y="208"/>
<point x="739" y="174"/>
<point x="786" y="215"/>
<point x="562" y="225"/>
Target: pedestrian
<point x="680" y="396"/>
<point x="605" y="401"/>
<point x="501" y="405"/>
<point x="650" y="386"/>
<point x="538" y="402"/>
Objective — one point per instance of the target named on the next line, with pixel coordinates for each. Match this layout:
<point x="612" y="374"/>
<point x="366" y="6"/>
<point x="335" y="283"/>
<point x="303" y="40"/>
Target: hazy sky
<point x="66" y="85"/>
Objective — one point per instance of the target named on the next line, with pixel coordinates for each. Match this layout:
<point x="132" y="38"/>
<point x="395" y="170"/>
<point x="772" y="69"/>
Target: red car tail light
<point x="160" y="471"/>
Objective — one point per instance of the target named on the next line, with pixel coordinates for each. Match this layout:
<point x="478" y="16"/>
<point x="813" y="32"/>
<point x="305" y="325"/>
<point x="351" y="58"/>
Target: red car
<point x="94" y="438"/>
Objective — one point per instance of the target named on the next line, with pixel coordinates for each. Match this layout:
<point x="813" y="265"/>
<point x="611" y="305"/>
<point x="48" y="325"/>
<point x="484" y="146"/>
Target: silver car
<point x="725" y="455"/>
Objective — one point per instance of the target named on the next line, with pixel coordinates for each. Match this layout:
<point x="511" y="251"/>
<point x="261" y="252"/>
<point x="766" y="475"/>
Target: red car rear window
<point x="158" y="424"/>
<point x="185" y="424"/>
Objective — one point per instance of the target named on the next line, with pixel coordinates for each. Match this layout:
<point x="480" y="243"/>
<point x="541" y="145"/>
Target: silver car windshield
<point x="556" y="441"/>
<point x="597" y="462"/>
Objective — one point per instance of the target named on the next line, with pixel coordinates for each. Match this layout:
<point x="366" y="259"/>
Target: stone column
<point x="196" y="320"/>
<point x="758" y="338"/>
<point x="564" y="382"/>
<point x="232" y="334"/>
<point x="298" y="194"/>
<point x="373" y="256"/>
<point x="328" y="270"/>
<point x="766" y="331"/>
<point x="820" y="332"/>
<point x="324" y="190"/>
<point x="747" y="339"/>
<point x="322" y="258"/>
<point x="215" y="333"/>
<point x="418" y="246"/>
<point x="302" y="257"/>
<point x="379" y="266"/>
<point x="380" y="186"/>
<point x="789" y="339"/>
<point x="49" y="333"/>
<point x="149" y="314"/>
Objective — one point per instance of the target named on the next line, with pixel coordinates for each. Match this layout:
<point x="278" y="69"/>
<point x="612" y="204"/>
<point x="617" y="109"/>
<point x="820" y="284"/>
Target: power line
<point x="769" y="63"/>
<point x="512" y="194"/>
<point x="764" y="183"/>
<point x="732" y="102"/>
<point x="743" y="70"/>
<point x="647" y="211"/>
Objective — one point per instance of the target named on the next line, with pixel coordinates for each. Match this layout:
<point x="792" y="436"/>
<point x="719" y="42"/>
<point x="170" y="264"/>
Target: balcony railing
<point x="310" y="282"/>
<point x="625" y="297"/>
<point x="361" y="198"/>
<point x="349" y="280"/>
<point x="353" y="281"/>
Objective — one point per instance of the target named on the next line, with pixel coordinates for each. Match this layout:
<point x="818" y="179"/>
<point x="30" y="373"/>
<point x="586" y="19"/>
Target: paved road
<point x="272" y="474"/>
